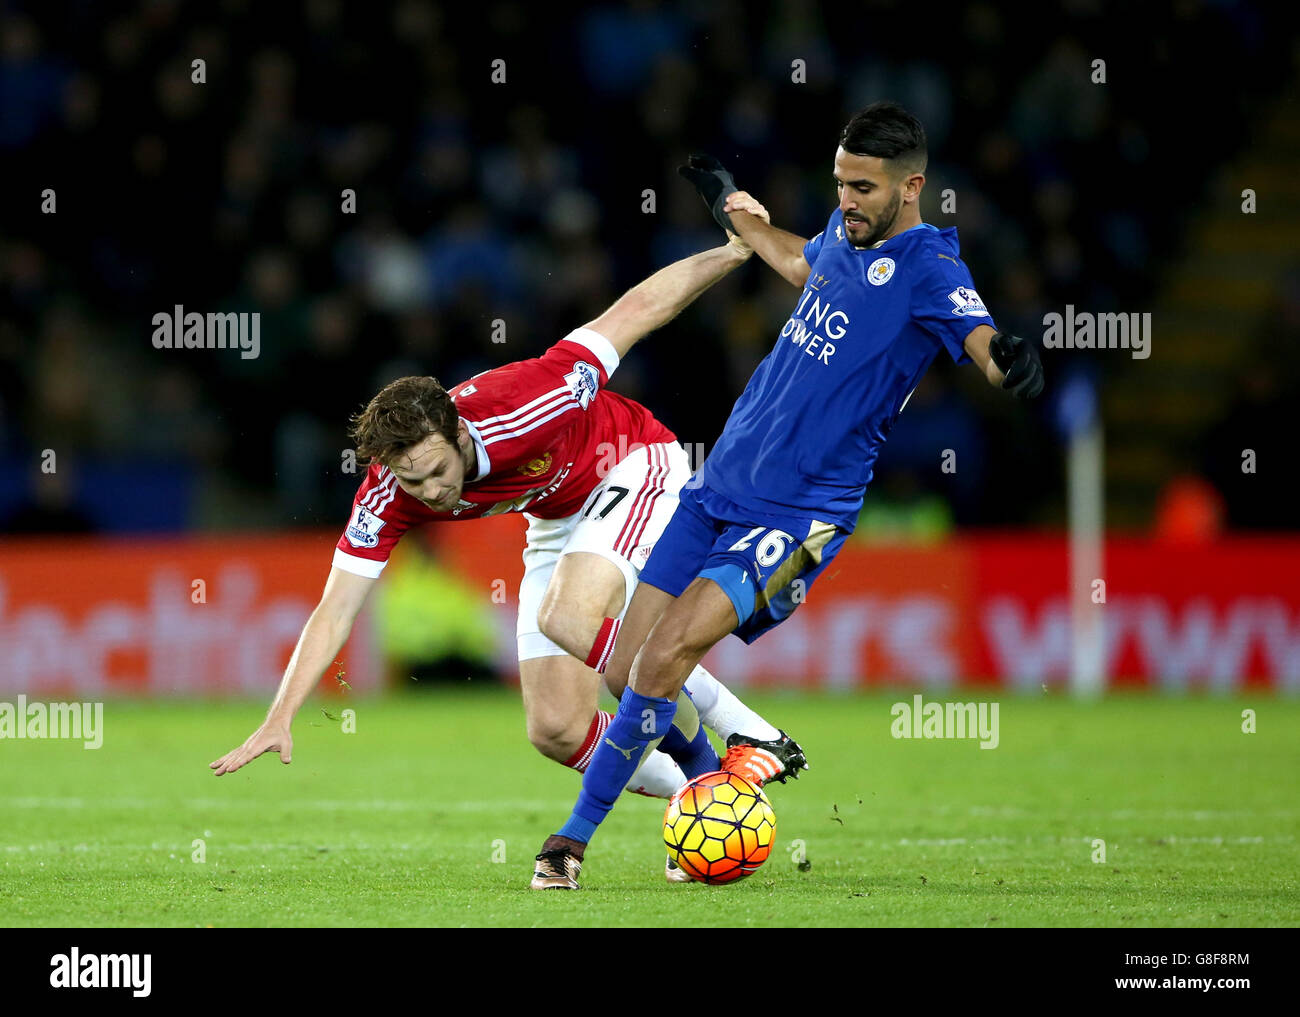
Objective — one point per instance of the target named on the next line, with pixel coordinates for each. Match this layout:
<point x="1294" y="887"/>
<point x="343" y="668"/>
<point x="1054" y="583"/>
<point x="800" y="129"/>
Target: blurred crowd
<point x="523" y="201"/>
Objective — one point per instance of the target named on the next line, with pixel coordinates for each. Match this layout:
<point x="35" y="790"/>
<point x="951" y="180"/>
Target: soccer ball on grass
<point x="719" y="827"/>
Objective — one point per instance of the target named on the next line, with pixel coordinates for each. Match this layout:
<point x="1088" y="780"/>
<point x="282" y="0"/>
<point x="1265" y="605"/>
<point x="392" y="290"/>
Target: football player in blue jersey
<point x="882" y="294"/>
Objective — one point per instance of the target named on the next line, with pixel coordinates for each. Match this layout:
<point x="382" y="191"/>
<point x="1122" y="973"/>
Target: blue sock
<point x="695" y="756"/>
<point x="639" y="721"/>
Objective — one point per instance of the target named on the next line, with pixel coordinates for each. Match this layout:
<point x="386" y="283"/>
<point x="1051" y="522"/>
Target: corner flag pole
<point x="1086" y="492"/>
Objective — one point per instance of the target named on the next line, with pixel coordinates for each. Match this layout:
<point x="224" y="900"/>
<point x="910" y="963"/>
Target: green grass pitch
<point x="430" y="813"/>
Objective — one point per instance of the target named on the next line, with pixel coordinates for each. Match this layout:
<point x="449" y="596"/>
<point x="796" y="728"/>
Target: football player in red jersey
<point x="595" y="474"/>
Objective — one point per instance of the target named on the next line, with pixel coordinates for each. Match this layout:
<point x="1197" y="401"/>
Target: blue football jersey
<point x="804" y="434"/>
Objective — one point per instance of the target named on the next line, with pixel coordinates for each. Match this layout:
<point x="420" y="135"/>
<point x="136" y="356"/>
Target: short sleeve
<point x="519" y="409"/>
<point x="946" y="305"/>
<point x="813" y="248"/>
<point x="381" y="513"/>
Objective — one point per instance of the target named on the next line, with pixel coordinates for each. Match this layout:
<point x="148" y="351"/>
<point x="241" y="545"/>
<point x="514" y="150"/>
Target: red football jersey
<point x="542" y="428"/>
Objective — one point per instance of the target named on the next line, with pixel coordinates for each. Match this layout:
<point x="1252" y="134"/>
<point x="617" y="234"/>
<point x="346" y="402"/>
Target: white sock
<point x="722" y="713"/>
<point x="658" y="776"/>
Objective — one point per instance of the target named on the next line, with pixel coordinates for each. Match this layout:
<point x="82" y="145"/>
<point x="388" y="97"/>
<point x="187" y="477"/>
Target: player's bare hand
<point x="267" y="738"/>
<point x="743" y="201"/>
<point x="745" y="204"/>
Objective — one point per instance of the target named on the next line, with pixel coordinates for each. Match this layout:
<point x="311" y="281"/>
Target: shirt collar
<point x="881" y="243"/>
<point x="480" y="453"/>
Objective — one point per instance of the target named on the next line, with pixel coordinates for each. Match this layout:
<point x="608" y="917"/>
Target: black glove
<point x="714" y="184"/>
<point x="1017" y="359"/>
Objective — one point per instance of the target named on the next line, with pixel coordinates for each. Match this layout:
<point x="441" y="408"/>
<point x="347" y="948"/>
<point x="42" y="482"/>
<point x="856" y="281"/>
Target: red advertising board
<point x="212" y="616"/>
<point x="93" y="617"/>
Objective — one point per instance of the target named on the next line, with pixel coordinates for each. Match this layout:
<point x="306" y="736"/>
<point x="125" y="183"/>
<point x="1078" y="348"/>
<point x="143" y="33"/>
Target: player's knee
<point x="563" y="623"/>
<point x="556" y="736"/>
<point x="656" y="657"/>
<point x="573" y="626"/>
<point x="660" y="663"/>
<point x="551" y="620"/>
<point x="688" y="640"/>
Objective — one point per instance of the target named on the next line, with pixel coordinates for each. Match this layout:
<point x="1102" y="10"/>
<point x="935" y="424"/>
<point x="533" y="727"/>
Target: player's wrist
<point x="737" y="248"/>
<point x="278" y="719"/>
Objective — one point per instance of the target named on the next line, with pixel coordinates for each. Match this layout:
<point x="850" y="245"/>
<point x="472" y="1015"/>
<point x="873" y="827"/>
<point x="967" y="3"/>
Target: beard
<point x="884" y="223"/>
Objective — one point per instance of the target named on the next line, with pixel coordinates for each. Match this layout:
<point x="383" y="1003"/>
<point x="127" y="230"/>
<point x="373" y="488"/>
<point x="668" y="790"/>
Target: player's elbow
<point x="335" y="614"/>
<point x="624" y="324"/>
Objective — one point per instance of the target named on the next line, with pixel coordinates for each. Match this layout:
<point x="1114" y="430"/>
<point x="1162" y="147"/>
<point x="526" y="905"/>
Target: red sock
<point x="579" y="760"/>
<point x="603" y="648"/>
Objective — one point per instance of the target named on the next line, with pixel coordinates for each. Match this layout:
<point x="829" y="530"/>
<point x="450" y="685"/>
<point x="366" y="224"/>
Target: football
<point x="719" y="827"/>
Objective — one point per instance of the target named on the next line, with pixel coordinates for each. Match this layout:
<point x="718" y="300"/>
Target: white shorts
<point x="620" y="521"/>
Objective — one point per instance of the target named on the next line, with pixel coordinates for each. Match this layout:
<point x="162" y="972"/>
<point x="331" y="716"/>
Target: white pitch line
<point x="225" y="846"/>
<point x="1145" y="840"/>
<point x="1198" y="815"/>
<point x="281" y="804"/>
<point x="524" y="804"/>
<point x="179" y="850"/>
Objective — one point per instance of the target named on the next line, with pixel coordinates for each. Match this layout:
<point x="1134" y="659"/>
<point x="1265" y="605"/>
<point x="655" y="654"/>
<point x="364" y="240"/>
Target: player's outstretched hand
<point x="264" y="739"/>
<point x="1018" y="361"/>
<point x="714" y="183"/>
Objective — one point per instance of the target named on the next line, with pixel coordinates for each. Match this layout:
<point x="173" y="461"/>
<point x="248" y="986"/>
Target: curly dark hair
<point x="402" y="414"/>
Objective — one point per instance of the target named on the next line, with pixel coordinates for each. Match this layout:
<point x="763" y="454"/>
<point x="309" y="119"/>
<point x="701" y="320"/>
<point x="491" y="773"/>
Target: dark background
<point x="523" y="201"/>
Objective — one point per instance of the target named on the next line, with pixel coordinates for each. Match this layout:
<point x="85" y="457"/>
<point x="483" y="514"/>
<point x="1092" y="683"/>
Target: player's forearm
<point x="653" y="303"/>
<point x="781" y="250"/>
<point x="319" y="644"/>
<point x="977" y="348"/>
<point x="659" y="299"/>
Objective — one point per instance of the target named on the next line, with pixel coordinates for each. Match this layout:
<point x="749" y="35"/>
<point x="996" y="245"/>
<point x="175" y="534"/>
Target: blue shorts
<point x="765" y="563"/>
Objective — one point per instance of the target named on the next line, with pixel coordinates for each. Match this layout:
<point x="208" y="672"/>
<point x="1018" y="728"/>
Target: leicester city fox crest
<point x="881" y="271"/>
